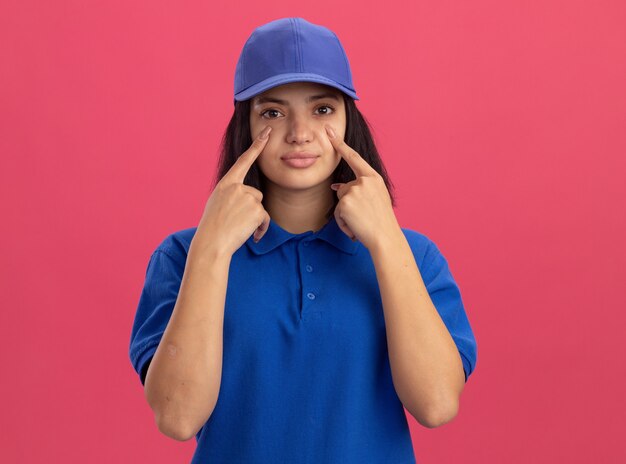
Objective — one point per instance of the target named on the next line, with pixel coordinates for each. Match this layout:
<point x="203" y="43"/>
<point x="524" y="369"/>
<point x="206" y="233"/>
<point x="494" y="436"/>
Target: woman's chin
<point x="303" y="184"/>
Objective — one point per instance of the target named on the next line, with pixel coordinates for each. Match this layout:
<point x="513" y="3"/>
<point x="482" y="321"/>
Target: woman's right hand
<point x="234" y="210"/>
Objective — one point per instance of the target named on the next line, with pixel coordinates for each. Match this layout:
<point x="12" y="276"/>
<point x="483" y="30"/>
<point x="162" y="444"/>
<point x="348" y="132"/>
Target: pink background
<point x="502" y="125"/>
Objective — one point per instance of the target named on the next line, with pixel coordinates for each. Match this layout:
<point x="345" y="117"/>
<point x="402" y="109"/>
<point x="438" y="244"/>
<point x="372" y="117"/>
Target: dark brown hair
<point x="237" y="139"/>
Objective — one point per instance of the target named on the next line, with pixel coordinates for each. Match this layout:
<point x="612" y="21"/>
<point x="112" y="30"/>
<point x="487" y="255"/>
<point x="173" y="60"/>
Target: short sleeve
<point x="446" y="296"/>
<point x="156" y="304"/>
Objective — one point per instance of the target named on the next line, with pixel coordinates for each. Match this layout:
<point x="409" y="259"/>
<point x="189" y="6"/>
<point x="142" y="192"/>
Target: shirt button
<point x="311" y="296"/>
<point x="309" y="268"/>
<point x="306" y="243"/>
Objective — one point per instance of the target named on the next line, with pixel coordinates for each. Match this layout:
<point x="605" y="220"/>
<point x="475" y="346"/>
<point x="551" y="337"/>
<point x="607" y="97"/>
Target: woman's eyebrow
<point x="261" y="100"/>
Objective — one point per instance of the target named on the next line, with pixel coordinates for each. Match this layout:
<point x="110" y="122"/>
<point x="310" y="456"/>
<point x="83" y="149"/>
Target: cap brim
<point x="274" y="81"/>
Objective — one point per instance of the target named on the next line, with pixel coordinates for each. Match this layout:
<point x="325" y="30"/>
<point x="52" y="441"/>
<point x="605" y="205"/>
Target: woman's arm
<point x="184" y="376"/>
<point x="426" y="366"/>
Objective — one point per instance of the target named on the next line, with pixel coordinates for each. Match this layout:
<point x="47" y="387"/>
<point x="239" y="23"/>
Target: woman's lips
<point x="299" y="162"/>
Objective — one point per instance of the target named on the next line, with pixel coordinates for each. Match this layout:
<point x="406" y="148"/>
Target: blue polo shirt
<point x="305" y="372"/>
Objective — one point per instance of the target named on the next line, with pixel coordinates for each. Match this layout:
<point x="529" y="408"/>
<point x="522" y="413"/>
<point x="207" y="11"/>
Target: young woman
<point x="298" y="319"/>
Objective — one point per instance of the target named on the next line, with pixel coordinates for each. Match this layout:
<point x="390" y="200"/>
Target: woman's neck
<point x="299" y="211"/>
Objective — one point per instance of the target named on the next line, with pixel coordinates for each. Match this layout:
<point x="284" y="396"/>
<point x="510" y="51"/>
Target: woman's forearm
<point x="426" y="366"/>
<point x="183" y="379"/>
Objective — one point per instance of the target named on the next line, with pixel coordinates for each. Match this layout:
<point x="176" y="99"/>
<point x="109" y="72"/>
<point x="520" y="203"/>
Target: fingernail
<point x="330" y="131"/>
<point x="265" y="132"/>
<point x="335" y="186"/>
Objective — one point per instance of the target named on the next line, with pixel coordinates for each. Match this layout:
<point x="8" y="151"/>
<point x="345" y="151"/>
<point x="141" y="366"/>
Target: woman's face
<point x="297" y="113"/>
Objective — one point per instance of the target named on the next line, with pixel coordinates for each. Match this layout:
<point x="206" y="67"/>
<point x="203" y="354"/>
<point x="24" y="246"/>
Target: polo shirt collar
<point x="276" y="236"/>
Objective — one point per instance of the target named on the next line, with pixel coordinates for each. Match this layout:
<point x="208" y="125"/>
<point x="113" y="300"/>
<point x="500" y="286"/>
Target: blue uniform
<point x="305" y="372"/>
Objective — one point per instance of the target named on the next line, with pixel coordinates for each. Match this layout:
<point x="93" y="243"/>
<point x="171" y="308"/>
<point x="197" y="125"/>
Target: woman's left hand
<point x="364" y="211"/>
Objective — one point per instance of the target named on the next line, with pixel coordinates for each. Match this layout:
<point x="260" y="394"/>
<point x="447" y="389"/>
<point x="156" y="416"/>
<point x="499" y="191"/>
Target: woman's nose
<point x="300" y="130"/>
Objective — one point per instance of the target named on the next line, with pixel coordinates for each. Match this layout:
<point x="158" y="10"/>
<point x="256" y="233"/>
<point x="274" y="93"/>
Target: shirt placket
<point x="309" y="289"/>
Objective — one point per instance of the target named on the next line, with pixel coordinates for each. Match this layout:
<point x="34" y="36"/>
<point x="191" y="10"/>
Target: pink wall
<point x="503" y="128"/>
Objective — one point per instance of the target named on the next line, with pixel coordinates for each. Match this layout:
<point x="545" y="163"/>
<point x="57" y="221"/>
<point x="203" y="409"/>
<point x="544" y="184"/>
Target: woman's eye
<point x="328" y="108"/>
<point x="269" y="111"/>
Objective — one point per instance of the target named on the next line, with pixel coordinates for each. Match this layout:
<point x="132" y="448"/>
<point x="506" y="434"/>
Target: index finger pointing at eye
<point x="352" y="157"/>
<point x="241" y="167"/>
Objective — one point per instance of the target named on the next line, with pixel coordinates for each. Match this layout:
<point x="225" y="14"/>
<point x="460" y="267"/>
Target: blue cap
<point x="291" y="50"/>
